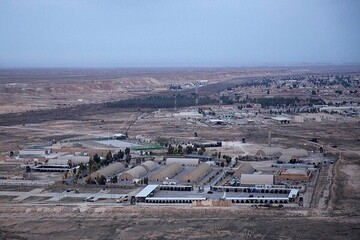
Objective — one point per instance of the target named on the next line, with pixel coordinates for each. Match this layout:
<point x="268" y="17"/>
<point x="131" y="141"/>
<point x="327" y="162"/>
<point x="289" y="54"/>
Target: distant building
<point x="256" y="179"/>
<point x="188" y="115"/>
<point x="282" y="119"/>
<point x="183" y="161"/>
<point x="32" y="153"/>
<point x="119" y="136"/>
<point x="294" y="174"/>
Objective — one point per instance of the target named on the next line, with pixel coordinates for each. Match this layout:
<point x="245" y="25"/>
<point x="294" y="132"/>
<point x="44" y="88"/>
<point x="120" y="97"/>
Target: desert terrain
<point x="39" y="106"/>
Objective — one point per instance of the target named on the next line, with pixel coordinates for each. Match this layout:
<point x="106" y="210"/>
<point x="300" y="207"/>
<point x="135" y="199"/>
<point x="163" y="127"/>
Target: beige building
<point x="109" y="170"/>
<point x="134" y="173"/>
<point x="149" y="166"/>
<point x="183" y="161"/>
<point x="167" y="173"/>
<point x="198" y="173"/>
<point x="294" y="174"/>
<point x="257" y="179"/>
<point x="244" y="168"/>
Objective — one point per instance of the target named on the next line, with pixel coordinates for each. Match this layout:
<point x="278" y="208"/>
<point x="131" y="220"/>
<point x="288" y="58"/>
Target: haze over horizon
<point x="159" y="33"/>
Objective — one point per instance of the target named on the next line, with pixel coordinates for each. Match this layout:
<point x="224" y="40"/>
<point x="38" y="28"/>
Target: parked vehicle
<point x="90" y="199"/>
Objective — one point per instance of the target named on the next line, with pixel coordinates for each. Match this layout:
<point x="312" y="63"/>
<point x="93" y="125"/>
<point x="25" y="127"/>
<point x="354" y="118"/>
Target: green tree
<point x="82" y="167"/>
<point x="96" y="158"/>
<point x="101" y="180"/>
<point x="189" y="149"/>
<point x="127" y="151"/>
<point x="201" y="150"/>
<point x="109" y="157"/>
<point x="180" y="149"/>
<point x="146" y="181"/>
<point x="171" y="149"/>
<point x="89" y="180"/>
<point x="114" y="179"/>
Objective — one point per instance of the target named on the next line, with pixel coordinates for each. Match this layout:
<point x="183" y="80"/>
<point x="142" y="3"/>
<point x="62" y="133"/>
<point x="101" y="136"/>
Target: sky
<point x="184" y="33"/>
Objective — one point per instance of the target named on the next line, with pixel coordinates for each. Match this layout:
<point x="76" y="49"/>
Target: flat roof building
<point x="294" y="174"/>
<point x="257" y="179"/>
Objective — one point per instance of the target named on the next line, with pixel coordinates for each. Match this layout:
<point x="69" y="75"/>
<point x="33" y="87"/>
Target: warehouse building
<point x="109" y="170"/>
<point x="167" y="173"/>
<point x="149" y="166"/>
<point x="294" y="174"/>
<point x="76" y="160"/>
<point x="244" y="168"/>
<point x="183" y="161"/>
<point x="134" y="173"/>
<point x="257" y="179"/>
<point x="198" y="173"/>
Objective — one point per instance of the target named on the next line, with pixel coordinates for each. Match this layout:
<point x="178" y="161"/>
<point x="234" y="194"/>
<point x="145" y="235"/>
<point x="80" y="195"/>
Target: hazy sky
<point x="154" y="33"/>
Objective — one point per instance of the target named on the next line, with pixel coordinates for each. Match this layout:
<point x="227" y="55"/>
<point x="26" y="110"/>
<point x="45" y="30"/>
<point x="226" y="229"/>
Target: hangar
<point x="244" y="168"/>
<point x="109" y="170"/>
<point x="183" y="161"/>
<point x="168" y="172"/>
<point x="134" y="173"/>
<point x="198" y="173"/>
<point x="149" y="166"/>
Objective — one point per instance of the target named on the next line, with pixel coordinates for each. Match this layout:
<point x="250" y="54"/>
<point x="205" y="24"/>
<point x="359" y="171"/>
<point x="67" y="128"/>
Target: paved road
<point x="53" y="196"/>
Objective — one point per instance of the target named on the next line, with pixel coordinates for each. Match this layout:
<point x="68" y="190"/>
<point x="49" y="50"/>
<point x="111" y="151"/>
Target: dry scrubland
<point x="171" y="223"/>
<point x="339" y="218"/>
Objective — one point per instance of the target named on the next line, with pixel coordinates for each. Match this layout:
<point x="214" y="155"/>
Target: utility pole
<point x="269" y="137"/>
<point x="196" y="96"/>
<point x="175" y="102"/>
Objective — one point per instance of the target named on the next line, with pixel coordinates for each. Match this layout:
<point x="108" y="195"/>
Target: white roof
<point x="281" y="118"/>
<point x="293" y="192"/>
<point x="147" y="190"/>
<point x="188" y="114"/>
